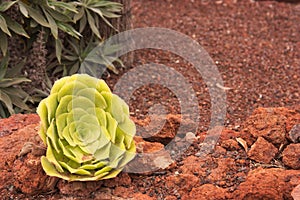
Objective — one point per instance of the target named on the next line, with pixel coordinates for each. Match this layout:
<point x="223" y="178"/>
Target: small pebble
<point x="190" y="137"/>
<point x="294" y="133"/>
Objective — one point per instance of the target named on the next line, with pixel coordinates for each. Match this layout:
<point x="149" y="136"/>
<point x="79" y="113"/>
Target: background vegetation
<point x="43" y="40"/>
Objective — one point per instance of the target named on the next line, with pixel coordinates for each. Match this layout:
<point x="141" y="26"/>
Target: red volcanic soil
<point x="259" y="162"/>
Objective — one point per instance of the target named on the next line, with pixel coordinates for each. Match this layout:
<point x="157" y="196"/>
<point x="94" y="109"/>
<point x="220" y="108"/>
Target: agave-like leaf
<point x="3" y="25"/>
<point x="87" y="130"/>
<point x="3" y="67"/>
<point x="12" y="98"/>
<point x="15" y="26"/>
<point x="23" y="9"/>
<point x="70" y="6"/>
<point x="7" y="102"/>
<point x="3" y="43"/>
<point x="4" y="6"/>
<point x="68" y="29"/>
<point x="37" y="15"/>
<point x="52" y="24"/>
<point x="92" y="24"/>
<point x="58" y="49"/>
<point x="90" y="11"/>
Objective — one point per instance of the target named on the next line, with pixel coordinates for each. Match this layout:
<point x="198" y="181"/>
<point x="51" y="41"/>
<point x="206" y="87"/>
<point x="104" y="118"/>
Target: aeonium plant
<point x="87" y="130"/>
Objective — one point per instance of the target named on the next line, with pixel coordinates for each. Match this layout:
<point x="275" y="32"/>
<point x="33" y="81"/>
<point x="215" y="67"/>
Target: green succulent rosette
<point x="87" y="130"/>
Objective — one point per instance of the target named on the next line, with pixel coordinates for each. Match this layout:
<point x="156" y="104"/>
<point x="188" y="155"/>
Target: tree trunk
<point x="121" y="24"/>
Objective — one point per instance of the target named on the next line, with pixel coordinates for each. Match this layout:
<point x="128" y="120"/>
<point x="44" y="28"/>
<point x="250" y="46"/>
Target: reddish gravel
<point x="255" y="44"/>
<point x="228" y="172"/>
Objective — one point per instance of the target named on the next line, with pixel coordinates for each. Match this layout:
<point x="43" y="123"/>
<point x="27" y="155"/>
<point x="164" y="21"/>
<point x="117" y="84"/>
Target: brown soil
<point x="249" y="164"/>
<point x="256" y="48"/>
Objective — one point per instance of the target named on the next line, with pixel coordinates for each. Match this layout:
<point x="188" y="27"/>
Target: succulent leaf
<point x="87" y="130"/>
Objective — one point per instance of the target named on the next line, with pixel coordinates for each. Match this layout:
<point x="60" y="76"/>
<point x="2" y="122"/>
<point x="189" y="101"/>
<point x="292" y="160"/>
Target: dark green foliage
<point x="13" y="99"/>
<point x="49" y="39"/>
